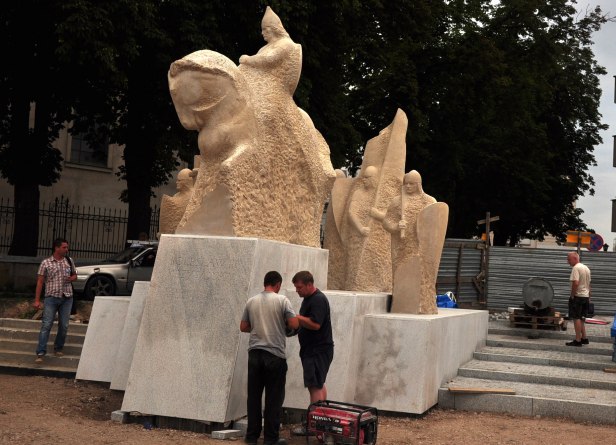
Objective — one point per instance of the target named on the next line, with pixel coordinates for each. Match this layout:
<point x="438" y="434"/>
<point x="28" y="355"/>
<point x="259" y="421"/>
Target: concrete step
<point x="549" y="344"/>
<point x="543" y="357"/>
<point x="563" y="336"/>
<point x="35" y="325"/>
<point x="10" y="333"/>
<point x="546" y="375"/>
<point x="23" y="359"/>
<point x="18" y="340"/>
<point x="533" y="399"/>
<point x="596" y="333"/>
<point x="28" y="346"/>
<point x="50" y="371"/>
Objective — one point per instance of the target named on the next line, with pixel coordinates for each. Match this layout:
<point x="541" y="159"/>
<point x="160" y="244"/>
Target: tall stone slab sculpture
<point x="172" y="208"/>
<point x="417" y="224"/>
<point x="265" y="169"/>
<point x="365" y="261"/>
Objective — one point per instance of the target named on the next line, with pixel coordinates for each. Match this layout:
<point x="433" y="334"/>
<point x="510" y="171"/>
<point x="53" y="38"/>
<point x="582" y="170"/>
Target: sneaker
<point x="39" y="359"/>
<point x="585" y="341"/>
<point x="58" y="353"/>
<point x="574" y="343"/>
<point x="301" y="431"/>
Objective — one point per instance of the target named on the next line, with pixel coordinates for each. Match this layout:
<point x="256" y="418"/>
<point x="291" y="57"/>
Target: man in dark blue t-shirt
<point x="315" y="335"/>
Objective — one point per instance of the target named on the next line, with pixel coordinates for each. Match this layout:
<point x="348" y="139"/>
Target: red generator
<point x="338" y="423"/>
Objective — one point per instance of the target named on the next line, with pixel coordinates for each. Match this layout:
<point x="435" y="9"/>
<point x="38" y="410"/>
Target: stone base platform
<point x="394" y="362"/>
<point x="190" y="359"/>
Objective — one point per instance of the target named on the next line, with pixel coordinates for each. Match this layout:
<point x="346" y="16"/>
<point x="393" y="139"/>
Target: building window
<point x="88" y="153"/>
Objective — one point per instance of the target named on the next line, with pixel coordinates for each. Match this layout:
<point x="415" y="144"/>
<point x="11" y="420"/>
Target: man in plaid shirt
<point x="57" y="273"/>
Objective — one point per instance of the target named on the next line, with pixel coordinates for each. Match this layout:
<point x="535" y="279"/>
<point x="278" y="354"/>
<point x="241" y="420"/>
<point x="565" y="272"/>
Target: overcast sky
<point x="598" y="208"/>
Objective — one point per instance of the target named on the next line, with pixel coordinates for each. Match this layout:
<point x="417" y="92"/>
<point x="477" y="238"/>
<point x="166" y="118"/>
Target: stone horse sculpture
<point x="265" y="169"/>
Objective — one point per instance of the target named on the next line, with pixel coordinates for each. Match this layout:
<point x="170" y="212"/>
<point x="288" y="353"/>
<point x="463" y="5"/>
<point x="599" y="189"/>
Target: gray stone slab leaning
<point x="124" y="357"/>
<point x="102" y="341"/>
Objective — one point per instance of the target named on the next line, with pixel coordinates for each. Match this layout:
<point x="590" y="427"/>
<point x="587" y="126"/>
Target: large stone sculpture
<point x="360" y="249"/>
<point x="417" y="224"/>
<point x="265" y="169"/>
<point x="172" y="208"/>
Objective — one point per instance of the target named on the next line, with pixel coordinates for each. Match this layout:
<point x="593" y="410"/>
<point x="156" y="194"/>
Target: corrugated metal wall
<point x="466" y="254"/>
<point x="509" y="268"/>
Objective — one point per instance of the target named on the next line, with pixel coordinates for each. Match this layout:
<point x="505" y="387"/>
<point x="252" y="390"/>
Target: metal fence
<point x="462" y="271"/>
<point x="92" y="232"/>
<point x="510" y="268"/>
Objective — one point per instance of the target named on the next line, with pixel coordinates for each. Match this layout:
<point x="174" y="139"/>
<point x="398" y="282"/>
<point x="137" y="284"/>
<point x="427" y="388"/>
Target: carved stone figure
<point x="172" y="208"/>
<point x="417" y="224"/>
<point x="265" y="170"/>
<point x="332" y="241"/>
<point x="364" y="260"/>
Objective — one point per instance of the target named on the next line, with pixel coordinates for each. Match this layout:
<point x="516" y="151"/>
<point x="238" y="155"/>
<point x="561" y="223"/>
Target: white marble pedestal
<point x="190" y="359"/>
<point x="406" y="358"/>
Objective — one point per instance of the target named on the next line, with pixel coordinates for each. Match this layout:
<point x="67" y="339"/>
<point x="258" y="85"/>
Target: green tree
<point x="31" y="74"/>
<point x="502" y="101"/>
<point x="47" y="81"/>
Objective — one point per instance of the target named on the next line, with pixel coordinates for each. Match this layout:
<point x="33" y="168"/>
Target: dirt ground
<point x="35" y="409"/>
<point x="21" y="307"/>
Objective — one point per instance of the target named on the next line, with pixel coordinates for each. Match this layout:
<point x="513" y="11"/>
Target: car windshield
<point x="126" y="255"/>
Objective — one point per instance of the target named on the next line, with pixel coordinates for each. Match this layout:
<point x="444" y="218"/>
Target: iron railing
<point x="92" y="232"/>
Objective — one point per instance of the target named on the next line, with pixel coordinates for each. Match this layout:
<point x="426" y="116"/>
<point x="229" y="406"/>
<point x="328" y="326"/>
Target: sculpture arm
<point x="391" y="223"/>
<point x="377" y="214"/>
<point x="269" y="55"/>
<point x="364" y="231"/>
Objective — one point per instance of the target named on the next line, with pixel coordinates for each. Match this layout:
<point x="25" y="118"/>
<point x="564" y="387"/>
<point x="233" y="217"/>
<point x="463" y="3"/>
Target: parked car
<point x="117" y="275"/>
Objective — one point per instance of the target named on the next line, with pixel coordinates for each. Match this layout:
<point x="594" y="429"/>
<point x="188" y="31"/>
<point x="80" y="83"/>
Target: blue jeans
<point x="614" y="353"/>
<point x="52" y="305"/>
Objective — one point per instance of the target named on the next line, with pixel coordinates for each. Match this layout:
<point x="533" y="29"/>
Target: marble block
<point x="190" y="359"/>
<point x="405" y="358"/>
<point x="347" y="313"/>
<point x="102" y="340"/>
<point x="132" y="323"/>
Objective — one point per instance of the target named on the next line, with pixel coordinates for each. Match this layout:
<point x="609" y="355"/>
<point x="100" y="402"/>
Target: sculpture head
<point x="184" y="182"/>
<point x="271" y="26"/>
<point x="369" y="176"/>
<point x="204" y="84"/>
<point x="412" y="182"/>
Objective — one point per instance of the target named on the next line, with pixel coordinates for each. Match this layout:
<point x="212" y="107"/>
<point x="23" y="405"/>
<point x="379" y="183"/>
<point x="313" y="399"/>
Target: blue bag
<point x="446" y="300"/>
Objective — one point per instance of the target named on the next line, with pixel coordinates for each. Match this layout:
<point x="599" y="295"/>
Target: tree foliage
<point x="502" y="101"/>
<point x="502" y="97"/>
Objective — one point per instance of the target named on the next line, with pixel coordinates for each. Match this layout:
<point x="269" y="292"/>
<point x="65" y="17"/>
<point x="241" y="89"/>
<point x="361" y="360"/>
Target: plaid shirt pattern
<point x="55" y="273"/>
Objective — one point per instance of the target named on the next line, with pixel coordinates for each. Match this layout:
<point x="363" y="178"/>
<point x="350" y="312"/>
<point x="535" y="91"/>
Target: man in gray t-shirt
<point x="266" y="317"/>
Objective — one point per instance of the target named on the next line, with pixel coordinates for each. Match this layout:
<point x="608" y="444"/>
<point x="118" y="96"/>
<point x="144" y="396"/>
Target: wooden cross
<point x="487" y="222"/>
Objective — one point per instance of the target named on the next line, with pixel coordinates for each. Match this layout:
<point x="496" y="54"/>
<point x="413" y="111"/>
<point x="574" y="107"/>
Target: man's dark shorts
<point x="316" y="366"/>
<point x="578" y="308"/>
